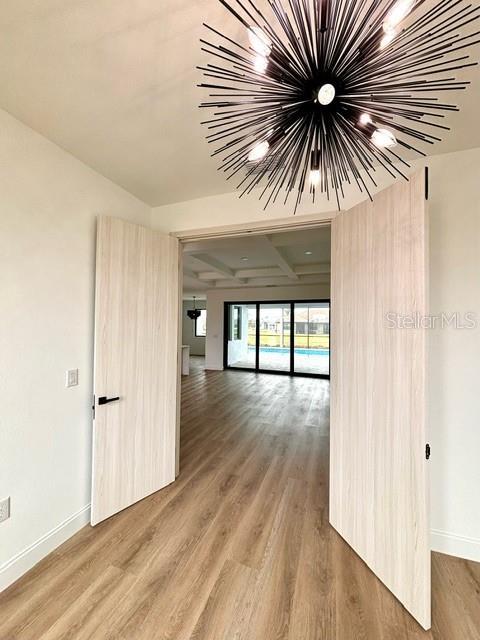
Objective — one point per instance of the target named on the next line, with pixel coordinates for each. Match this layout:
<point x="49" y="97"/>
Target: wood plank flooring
<point x="238" y="548"/>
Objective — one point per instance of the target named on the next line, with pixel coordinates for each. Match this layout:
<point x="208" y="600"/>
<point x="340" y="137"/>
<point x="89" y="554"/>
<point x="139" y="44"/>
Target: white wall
<point x="215" y="307"/>
<point x="455" y="354"/>
<point x="197" y="343"/>
<point x="48" y="205"/>
<point x="228" y="208"/>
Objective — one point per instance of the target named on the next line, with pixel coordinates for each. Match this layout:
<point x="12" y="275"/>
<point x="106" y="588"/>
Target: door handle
<point x="105" y="400"/>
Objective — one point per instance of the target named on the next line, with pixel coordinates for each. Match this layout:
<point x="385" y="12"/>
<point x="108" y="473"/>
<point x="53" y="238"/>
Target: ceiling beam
<point x="264" y="272"/>
<point x="259" y="272"/>
<point x="187" y="273"/>
<point x="217" y="266"/>
<point x="276" y="256"/>
<point x="275" y="281"/>
<point x="195" y="283"/>
<point x="260" y="276"/>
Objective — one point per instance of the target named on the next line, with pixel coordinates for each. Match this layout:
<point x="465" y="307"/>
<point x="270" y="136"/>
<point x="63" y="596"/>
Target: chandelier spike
<point x="317" y="94"/>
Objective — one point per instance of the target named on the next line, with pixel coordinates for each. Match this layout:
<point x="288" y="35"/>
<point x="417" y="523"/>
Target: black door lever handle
<point x="105" y="400"/>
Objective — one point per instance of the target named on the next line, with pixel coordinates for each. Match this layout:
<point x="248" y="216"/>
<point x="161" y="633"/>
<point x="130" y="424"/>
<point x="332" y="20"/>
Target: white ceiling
<point x="113" y="82"/>
<point x="289" y="258"/>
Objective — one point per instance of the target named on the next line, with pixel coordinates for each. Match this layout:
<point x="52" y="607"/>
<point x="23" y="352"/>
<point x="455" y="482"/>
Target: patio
<point x="313" y="361"/>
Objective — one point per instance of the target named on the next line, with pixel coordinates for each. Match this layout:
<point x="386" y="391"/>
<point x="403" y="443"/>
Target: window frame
<point x="236" y="314"/>
<point x="201" y="335"/>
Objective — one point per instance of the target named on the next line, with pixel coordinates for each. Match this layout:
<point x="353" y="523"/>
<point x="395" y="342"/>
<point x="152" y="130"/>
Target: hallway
<point x="239" y="547"/>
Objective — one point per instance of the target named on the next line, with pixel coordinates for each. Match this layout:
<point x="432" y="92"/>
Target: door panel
<point x="136" y="359"/>
<point x="312" y="338"/>
<point x="378" y="471"/>
<point x="274" y="354"/>
<point x="241" y="339"/>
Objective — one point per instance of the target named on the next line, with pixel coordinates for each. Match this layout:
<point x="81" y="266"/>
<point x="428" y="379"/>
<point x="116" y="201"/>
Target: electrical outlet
<point x="71" y="379"/>
<point x="4" y="509"/>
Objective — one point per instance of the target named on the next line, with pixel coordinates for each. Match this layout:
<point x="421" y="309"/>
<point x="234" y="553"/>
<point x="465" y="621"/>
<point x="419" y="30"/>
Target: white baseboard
<point x="28" y="558"/>
<point x="455" y="545"/>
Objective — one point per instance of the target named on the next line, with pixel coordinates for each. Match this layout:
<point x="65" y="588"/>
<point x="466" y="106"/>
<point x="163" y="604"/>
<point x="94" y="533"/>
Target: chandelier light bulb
<point x="326" y="94"/>
<point x="259" y="151"/>
<point x="397" y="13"/>
<point x="383" y="139"/>
<point x="387" y="38"/>
<point x="314" y="181"/>
<point x="259" y="41"/>
<point x="260" y="64"/>
<point x="365" y="119"/>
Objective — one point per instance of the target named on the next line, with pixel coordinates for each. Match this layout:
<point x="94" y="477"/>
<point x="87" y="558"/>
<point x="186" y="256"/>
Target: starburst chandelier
<point x="319" y="93"/>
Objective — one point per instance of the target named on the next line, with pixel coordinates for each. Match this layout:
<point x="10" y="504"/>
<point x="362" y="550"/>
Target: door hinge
<point x="426" y="183"/>
<point x="93" y="407"/>
<point x="427" y="451"/>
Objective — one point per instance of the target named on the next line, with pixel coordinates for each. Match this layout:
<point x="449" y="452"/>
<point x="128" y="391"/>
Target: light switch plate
<point x="72" y="378"/>
<point x="4" y="509"/>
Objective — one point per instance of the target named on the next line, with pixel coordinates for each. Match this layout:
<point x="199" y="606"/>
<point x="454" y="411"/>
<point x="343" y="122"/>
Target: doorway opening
<point x="285" y="337"/>
<point x="264" y="298"/>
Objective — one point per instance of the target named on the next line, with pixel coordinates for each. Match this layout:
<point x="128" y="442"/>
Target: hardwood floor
<point x="239" y="547"/>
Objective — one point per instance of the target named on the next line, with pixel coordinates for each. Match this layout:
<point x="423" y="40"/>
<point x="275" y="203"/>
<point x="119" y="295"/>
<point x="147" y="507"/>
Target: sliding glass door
<point x="289" y="337"/>
<point x="241" y="333"/>
<point x="312" y="338"/>
<point x="274" y="352"/>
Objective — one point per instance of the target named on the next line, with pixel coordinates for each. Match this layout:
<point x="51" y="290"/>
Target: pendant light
<point x="194" y="313"/>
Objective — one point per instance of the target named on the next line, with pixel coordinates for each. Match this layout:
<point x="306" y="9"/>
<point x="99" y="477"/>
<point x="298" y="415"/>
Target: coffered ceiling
<point x="289" y="258"/>
<point x="113" y="82"/>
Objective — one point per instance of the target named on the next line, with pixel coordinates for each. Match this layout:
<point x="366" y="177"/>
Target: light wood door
<point x="378" y="469"/>
<point x="136" y="360"/>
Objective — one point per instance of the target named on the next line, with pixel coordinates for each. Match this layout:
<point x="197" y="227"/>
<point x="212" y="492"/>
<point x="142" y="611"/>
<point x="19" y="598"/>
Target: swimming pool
<point x="298" y="351"/>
